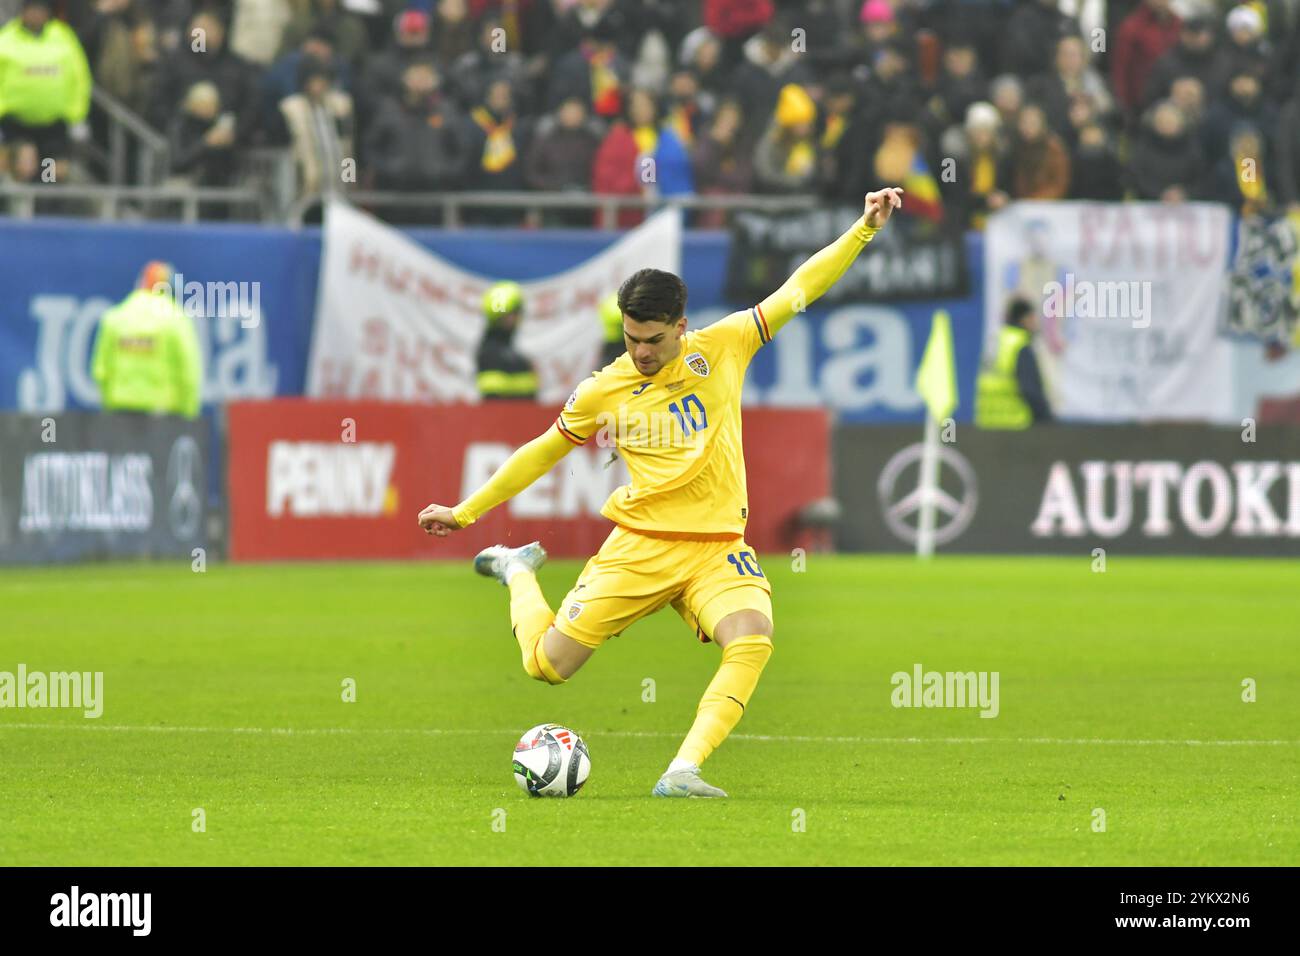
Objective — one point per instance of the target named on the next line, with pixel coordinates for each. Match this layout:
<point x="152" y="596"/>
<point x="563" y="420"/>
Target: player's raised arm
<point x="824" y="267"/>
<point x="526" y="465"/>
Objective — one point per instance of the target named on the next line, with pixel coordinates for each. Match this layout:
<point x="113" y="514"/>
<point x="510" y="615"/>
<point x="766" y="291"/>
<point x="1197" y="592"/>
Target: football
<point x="551" y="761"/>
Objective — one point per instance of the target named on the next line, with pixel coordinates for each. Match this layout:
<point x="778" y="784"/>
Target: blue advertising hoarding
<point x="858" y="358"/>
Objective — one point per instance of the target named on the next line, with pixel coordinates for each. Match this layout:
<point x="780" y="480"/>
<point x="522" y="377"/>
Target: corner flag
<point x="936" y="378"/>
<point x="936" y="383"/>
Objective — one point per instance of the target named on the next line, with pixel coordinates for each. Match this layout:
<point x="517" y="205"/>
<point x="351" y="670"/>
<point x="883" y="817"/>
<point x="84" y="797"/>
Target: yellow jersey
<point x="678" y="430"/>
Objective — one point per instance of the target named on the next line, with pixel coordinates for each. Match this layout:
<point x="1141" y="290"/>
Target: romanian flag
<point x="922" y="190"/>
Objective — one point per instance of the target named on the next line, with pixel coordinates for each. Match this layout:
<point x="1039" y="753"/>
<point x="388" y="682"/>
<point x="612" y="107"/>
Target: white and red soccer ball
<point x="551" y="761"/>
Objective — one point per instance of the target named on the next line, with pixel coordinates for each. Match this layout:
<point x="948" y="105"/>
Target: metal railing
<point x="129" y="202"/>
<point x="265" y="201"/>
<point x="124" y="124"/>
<point x="451" y="205"/>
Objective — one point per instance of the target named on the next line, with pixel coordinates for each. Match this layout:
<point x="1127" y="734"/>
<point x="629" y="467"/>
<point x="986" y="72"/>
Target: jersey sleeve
<point x="742" y="333"/>
<point x="580" y="417"/>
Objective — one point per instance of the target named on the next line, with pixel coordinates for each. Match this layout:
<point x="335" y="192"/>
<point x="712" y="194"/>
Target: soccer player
<point x="671" y="405"/>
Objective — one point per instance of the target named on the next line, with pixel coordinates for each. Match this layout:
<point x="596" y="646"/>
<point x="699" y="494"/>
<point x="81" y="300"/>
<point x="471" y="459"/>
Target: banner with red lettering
<point x="1131" y="300"/>
<point x="394" y="322"/>
<point x="346" y="479"/>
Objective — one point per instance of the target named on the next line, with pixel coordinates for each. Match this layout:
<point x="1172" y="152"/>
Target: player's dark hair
<point x="1017" y="311"/>
<point x="652" y="295"/>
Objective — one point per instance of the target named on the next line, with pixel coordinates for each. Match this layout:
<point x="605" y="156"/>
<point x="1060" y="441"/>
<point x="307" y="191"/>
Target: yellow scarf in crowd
<point x="499" y="149"/>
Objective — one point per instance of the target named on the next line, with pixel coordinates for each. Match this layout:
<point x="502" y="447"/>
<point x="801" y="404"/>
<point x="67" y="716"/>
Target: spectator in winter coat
<point x="722" y="162"/>
<point x="786" y="158"/>
<point x="1070" y="76"/>
<point x="1197" y="54"/>
<point x="236" y="80"/>
<point x="1040" y="163"/>
<point x="418" y="141"/>
<point x="769" y="65"/>
<point x="1167" y="162"/>
<point x="1029" y="42"/>
<point x="560" y="158"/>
<point x="1145" y="35"/>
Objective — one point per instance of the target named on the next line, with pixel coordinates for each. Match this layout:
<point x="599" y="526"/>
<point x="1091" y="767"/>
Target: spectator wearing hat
<point x="1167" y="163"/>
<point x="1040" y="162"/>
<point x="44" y="84"/>
<point x="284" y="78"/>
<point x="981" y="185"/>
<point x="1144" y="36"/>
<point x="786" y="158"/>
<point x="1248" y="47"/>
<point x="701" y="54"/>
<point x="411" y="42"/>
<point x="503" y="371"/>
<point x="319" y="121"/>
<point x="1196" y="55"/>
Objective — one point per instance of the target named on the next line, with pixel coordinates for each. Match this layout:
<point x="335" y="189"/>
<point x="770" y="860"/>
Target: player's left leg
<point x="738" y="619"/>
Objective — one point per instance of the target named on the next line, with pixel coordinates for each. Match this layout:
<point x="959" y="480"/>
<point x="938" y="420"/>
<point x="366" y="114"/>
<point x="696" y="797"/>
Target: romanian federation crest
<point x="698" y="364"/>
<point x="575" y="609"/>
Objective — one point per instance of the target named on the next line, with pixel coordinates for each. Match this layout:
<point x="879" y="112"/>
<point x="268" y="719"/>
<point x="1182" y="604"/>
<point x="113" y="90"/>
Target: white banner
<point x="1129" y="297"/>
<point x="395" y="322"/>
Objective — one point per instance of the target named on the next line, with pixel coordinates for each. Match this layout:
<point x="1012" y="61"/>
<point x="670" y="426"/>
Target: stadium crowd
<point x="967" y="103"/>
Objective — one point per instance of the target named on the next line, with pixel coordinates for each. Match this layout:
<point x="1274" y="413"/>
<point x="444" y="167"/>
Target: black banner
<point x="81" y="485"/>
<point x="903" y="261"/>
<point x="1158" y="489"/>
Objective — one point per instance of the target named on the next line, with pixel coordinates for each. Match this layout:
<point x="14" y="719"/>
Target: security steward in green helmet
<point x="611" y="325"/>
<point x="503" y="372"/>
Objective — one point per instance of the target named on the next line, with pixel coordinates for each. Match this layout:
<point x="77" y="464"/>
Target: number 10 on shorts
<point x="745" y="563"/>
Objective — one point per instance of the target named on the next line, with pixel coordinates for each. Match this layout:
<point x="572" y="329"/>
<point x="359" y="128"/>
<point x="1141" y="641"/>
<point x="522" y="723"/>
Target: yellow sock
<point x="531" y="618"/>
<point x="724" y="702"/>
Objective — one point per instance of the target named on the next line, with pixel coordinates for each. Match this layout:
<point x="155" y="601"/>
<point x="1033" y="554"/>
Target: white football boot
<point x="685" y="783"/>
<point x="496" y="561"/>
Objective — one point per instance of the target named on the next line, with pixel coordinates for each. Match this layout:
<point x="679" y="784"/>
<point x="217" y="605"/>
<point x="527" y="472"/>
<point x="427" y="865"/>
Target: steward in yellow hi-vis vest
<point x="670" y="404"/>
<point x="147" y="356"/>
<point x="502" y="371"/>
<point x="1009" y="393"/>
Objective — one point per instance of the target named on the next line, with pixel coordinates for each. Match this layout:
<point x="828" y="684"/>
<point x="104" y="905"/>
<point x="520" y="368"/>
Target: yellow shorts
<point x="634" y="575"/>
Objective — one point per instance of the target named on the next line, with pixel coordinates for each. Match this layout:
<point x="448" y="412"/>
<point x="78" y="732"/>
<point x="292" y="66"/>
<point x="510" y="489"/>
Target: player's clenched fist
<point x="881" y="203"/>
<point x="437" y="519"/>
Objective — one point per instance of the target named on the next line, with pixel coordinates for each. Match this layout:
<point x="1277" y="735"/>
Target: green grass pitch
<point x="1119" y="691"/>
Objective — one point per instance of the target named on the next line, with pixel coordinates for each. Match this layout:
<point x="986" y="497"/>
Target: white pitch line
<point x="766" y="738"/>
